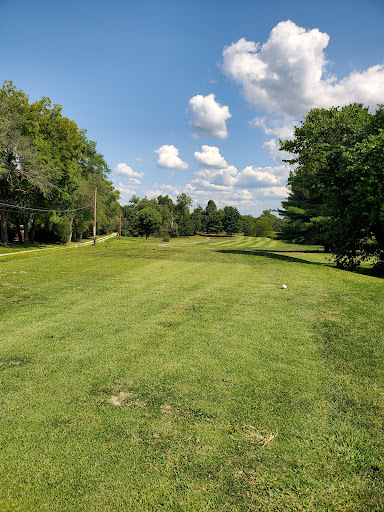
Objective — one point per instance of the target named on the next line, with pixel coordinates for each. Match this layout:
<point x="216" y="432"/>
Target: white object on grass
<point x="284" y="286"/>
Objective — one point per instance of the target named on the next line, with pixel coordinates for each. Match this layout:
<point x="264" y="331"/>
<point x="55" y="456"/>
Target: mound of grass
<point x="137" y="376"/>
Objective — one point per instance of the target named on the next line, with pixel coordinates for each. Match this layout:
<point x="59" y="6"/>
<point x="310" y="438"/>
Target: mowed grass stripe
<point x="241" y="242"/>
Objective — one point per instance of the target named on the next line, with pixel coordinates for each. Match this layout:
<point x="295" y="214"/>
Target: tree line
<point x="337" y="187"/>
<point x="49" y="171"/>
<point x="164" y="217"/>
<point x="48" y="174"/>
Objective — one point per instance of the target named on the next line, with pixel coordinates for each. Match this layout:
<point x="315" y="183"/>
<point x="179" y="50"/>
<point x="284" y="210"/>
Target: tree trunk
<point x="33" y="230"/>
<point x="4" y="222"/>
<point x="19" y="234"/>
<point x="70" y="228"/>
<point x="26" y="219"/>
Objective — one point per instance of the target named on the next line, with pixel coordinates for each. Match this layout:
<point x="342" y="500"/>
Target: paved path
<point x="88" y="242"/>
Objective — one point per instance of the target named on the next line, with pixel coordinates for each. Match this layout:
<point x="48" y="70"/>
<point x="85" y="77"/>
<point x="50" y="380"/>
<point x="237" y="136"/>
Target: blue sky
<point x="193" y="96"/>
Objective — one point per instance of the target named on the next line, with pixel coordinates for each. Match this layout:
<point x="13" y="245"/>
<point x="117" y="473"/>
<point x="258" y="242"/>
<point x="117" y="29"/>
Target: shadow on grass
<point x="279" y="255"/>
<point x="369" y="272"/>
<point x="282" y="256"/>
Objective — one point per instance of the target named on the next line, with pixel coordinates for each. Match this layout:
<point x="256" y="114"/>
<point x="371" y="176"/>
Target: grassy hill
<point x="143" y="376"/>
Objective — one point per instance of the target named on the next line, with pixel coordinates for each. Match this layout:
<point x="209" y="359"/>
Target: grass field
<point x="141" y="376"/>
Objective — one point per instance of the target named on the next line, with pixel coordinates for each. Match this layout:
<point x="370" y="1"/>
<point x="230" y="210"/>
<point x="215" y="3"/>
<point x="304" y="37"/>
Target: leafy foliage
<point x="337" y="188"/>
<point x="231" y="220"/>
<point x="47" y="162"/>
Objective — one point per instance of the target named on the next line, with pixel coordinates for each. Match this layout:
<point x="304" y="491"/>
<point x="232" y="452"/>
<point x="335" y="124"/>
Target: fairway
<point x="138" y="375"/>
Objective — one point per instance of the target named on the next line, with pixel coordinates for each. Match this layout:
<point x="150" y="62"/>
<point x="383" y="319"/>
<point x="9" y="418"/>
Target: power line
<point x="45" y="210"/>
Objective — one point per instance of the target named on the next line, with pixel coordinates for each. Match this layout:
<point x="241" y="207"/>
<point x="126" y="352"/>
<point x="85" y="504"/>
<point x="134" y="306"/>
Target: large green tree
<point x="47" y="163"/>
<point x="337" y="184"/>
<point x="358" y="208"/>
<point x="26" y="172"/>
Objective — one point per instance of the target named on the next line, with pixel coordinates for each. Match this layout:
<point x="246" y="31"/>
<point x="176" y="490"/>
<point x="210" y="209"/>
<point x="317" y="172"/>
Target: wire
<point x="45" y="209"/>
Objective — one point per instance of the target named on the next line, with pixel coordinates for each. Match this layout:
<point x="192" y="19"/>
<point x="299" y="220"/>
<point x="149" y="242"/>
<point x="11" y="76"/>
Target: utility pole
<point x="119" y="225"/>
<point x="94" y="217"/>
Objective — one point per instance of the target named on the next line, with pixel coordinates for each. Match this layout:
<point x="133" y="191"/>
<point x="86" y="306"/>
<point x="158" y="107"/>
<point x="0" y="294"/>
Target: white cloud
<point x="208" y="116"/>
<point x="274" y="192"/>
<point x="208" y="185"/>
<point x="256" y="177"/>
<point x="287" y="74"/>
<point x="282" y="128"/>
<point x="274" y="152"/>
<point x="167" y="156"/>
<point x="126" y="192"/>
<point x="138" y="159"/>
<point x="250" y="177"/>
<point x="124" y="169"/>
<point x="210" y="156"/>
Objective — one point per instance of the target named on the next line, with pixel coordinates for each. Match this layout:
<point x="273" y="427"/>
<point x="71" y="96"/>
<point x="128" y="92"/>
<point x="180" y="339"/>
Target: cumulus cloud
<point x="124" y="169"/>
<point x="282" y="128"/>
<point x="287" y="74"/>
<point x="210" y="156"/>
<point x="125" y="191"/>
<point x="256" y="177"/>
<point x="274" y="192"/>
<point x="208" y="116"/>
<point x="274" y="153"/>
<point x="168" y="157"/>
<point x="250" y="177"/>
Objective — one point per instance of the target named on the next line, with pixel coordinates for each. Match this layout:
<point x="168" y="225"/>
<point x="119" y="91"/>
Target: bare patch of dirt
<point x="126" y="398"/>
<point x="166" y="409"/>
<point x="10" y="363"/>
<point x="260" y="437"/>
<point x="166" y="324"/>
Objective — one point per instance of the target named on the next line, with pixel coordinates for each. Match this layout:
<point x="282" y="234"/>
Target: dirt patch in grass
<point x="126" y="398"/>
<point x="260" y="437"/>
<point x="166" y="410"/>
<point x="10" y="363"/>
<point x="166" y="324"/>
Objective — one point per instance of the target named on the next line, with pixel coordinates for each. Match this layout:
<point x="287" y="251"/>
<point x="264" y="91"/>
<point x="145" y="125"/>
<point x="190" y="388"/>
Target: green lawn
<point x="136" y="376"/>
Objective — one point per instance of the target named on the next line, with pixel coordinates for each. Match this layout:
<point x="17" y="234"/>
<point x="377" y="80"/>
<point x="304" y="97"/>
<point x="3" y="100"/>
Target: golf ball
<point x="284" y="286"/>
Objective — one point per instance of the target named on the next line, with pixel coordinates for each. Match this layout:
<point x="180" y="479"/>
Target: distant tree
<point x="231" y="220"/>
<point x="197" y="217"/>
<point x="277" y="222"/>
<point x="183" y="203"/>
<point x="166" y="208"/>
<point x="247" y="223"/>
<point x="129" y="227"/>
<point x="185" y="225"/>
<point x="148" y="220"/>
<point x="262" y="228"/>
<point x="211" y="217"/>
